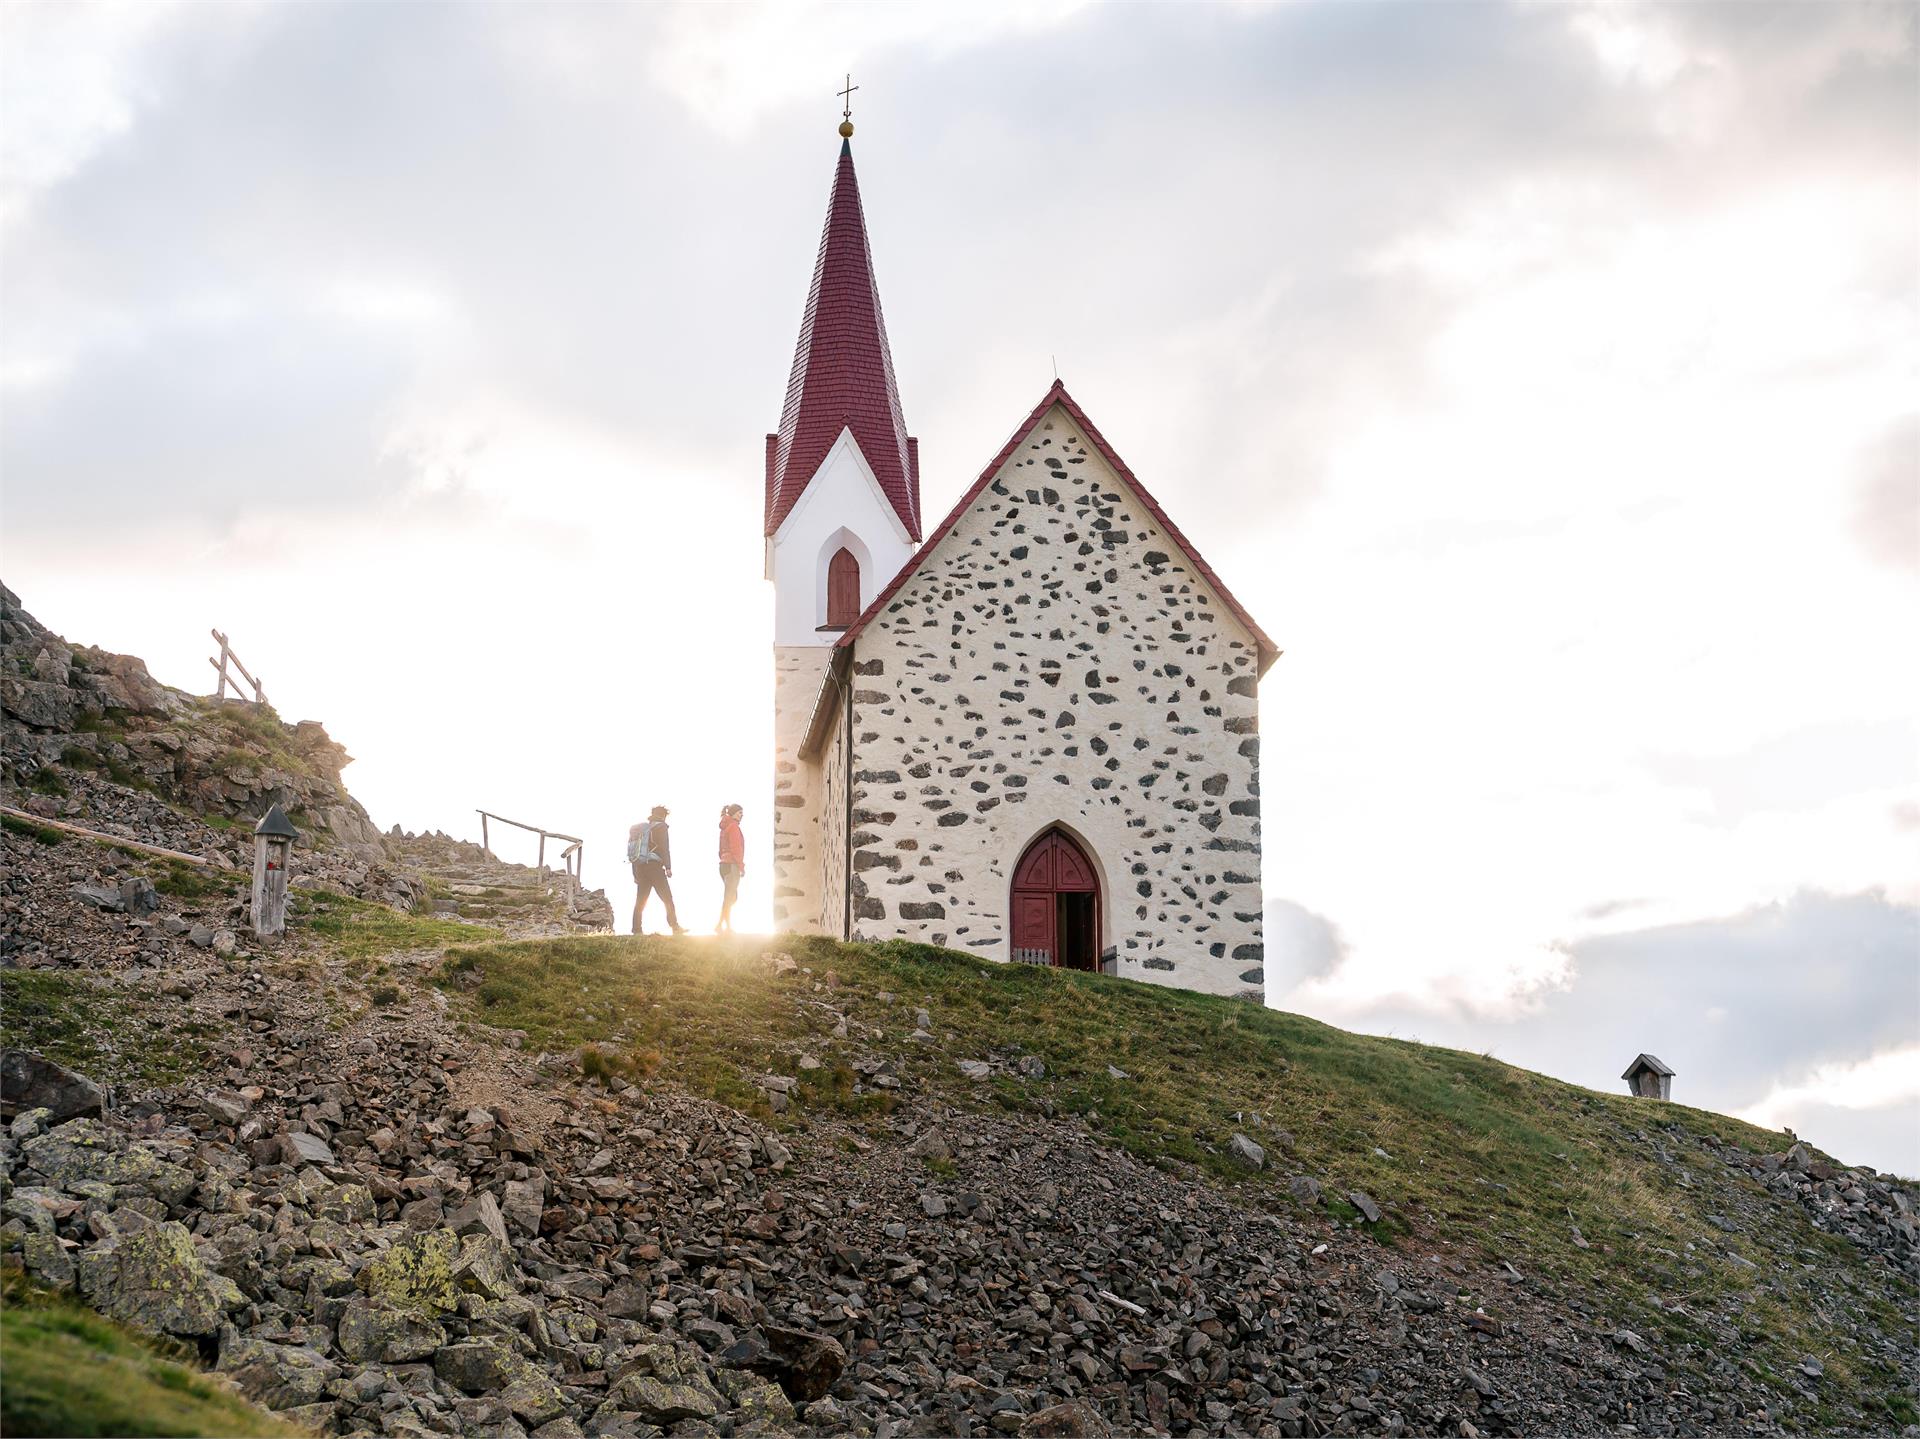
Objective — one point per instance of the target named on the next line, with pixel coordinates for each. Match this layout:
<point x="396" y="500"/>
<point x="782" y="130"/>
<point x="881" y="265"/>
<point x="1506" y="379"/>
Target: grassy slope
<point x="70" y="1371"/>
<point x="1457" y="1147"/>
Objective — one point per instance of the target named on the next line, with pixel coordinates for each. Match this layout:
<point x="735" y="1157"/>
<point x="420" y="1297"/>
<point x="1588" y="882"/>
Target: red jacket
<point x="733" y="844"/>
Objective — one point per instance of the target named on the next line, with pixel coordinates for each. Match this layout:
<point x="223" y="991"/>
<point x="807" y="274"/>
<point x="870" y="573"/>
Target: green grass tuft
<point x="71" y="1371"/>
<point x="355" y="929"/>
<point x="106" y="1033"/>
<point x="181" y="880"/>
<point x="27" y="829"/>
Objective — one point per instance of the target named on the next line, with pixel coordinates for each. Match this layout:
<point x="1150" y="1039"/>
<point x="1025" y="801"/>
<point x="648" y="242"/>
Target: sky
<point x="1541" y="376"/>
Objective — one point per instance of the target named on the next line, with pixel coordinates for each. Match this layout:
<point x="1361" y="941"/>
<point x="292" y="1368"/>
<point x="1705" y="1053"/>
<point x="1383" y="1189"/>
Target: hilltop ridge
<point x="430" y="1167"/>
<point x="91" y="738"/>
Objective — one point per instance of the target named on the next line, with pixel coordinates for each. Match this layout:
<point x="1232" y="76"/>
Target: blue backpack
<point x="640" y="848"/>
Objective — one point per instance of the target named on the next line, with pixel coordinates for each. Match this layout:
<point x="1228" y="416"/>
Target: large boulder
<point x="37" y="704"/>
<point x="485" y="1267"/>
<point x="155" y="1280"/>
<point x="374" y="1330"/>
<point x="478" y="1367"/>
<point x="660" y="1401"/>
<point x="1244" y="1152"/>
<point x="32" y="1081"/>
<point x="755" y="1400"/>
<point x="81" y="1150"/>
<point x="280" y="1376"/>
<point x="803" y="1363"/>
<point x="524" y="1201"/>
<point x="479" y="1216"/>
<point x="416" y="1273"/>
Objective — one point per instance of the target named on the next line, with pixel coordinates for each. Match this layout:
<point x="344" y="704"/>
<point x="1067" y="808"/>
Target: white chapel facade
<point x="1030" y="733"/>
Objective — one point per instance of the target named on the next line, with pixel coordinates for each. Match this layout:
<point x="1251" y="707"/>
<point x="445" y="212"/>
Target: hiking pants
<point x="651" y="878"/>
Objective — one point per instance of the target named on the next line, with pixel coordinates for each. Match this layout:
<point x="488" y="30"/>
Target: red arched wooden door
<point x="843" y="589"/>
<point x="1056" y="905"/>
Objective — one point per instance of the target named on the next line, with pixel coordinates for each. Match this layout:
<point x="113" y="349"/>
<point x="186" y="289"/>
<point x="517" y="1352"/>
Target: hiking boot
<point x="678" y="930"/>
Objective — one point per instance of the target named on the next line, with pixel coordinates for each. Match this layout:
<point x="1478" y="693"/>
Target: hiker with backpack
<point x="652" y="859"/>
<point x="733" y="863"/>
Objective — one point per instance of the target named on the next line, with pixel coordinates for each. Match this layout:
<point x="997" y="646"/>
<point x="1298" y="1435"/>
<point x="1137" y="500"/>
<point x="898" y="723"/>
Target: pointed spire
<point x="842" y="374"/>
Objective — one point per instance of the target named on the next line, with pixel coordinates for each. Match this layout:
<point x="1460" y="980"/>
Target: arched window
<point x="843" y="589"/>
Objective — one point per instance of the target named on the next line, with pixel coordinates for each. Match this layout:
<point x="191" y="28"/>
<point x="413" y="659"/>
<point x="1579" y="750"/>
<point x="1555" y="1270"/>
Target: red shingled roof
<point x="1058" y="395"/>
<point x="843" y="372"/>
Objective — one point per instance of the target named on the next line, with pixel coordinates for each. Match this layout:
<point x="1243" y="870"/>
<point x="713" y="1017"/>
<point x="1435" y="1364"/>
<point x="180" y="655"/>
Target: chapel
<point x="1030" y="732"/>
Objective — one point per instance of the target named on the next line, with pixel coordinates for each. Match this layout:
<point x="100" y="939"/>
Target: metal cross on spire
<point x="846" y="96"/>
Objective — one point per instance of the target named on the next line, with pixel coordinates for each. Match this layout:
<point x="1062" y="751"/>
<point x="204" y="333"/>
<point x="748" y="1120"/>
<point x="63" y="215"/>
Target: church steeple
<point x="842" y="376"/>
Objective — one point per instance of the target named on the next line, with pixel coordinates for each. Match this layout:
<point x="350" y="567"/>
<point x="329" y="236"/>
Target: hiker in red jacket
<point x="733" y="863"/>
<point x="652" y="859"/>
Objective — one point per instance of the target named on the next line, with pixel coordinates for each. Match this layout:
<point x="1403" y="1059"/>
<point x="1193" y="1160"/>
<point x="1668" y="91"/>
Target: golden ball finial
<point x="846" y="129"/>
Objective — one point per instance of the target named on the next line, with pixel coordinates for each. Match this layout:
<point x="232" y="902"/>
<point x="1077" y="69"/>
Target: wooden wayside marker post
<point x="273" y="841"/>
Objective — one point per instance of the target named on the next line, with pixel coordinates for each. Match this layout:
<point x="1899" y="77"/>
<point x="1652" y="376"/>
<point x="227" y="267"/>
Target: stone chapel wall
<point x="1057" y="660"/>
<point x="796" y="816"/>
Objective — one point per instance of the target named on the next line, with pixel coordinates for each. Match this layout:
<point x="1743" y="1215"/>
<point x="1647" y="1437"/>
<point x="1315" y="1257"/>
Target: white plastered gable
<point x="842" y="505"/>
<point x="1016" y="474"/>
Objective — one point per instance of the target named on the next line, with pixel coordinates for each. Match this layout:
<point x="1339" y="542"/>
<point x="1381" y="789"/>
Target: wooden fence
<point x="571" y="858"/>
<point x="228" y="657"/>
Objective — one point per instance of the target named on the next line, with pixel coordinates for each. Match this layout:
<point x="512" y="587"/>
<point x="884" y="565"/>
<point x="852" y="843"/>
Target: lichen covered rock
<point x="155" y="1280"/>
<point x="81" y="1150"/>
<point x="373" y="1329"/>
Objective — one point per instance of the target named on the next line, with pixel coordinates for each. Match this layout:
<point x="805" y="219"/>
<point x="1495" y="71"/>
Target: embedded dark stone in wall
<point x="931" y="910"/>
<point x="789" y="801"/>
<point x="877" y="776"/>
<point x="870" y="667"/>
<point x="869" y="908"/>
<point x="866" y="859"/>
<point x="1214" y="784"/>
<point x="1255" y="975"/>
<point x="1243" y="685"/>
<point x="948" y="821"/>
<point x="1245" y="806"/>
<point x="1156" y="962"/>
<point x="1250" y="952"/>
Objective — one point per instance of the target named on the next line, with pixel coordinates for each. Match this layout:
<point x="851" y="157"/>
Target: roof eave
<point x="825" y="704"/>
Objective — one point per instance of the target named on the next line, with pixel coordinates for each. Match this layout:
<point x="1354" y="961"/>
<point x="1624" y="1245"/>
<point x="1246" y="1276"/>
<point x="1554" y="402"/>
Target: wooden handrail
<point x="572" y="858"/>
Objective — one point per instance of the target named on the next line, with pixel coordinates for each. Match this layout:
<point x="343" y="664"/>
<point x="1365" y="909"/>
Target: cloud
<point x="1783" y="1013"/>
<point x="1806" y="768"/>
<point x="1877" y="1082"/>
<point x="1300" y="945"/>
<point x="1887" y="518"/>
